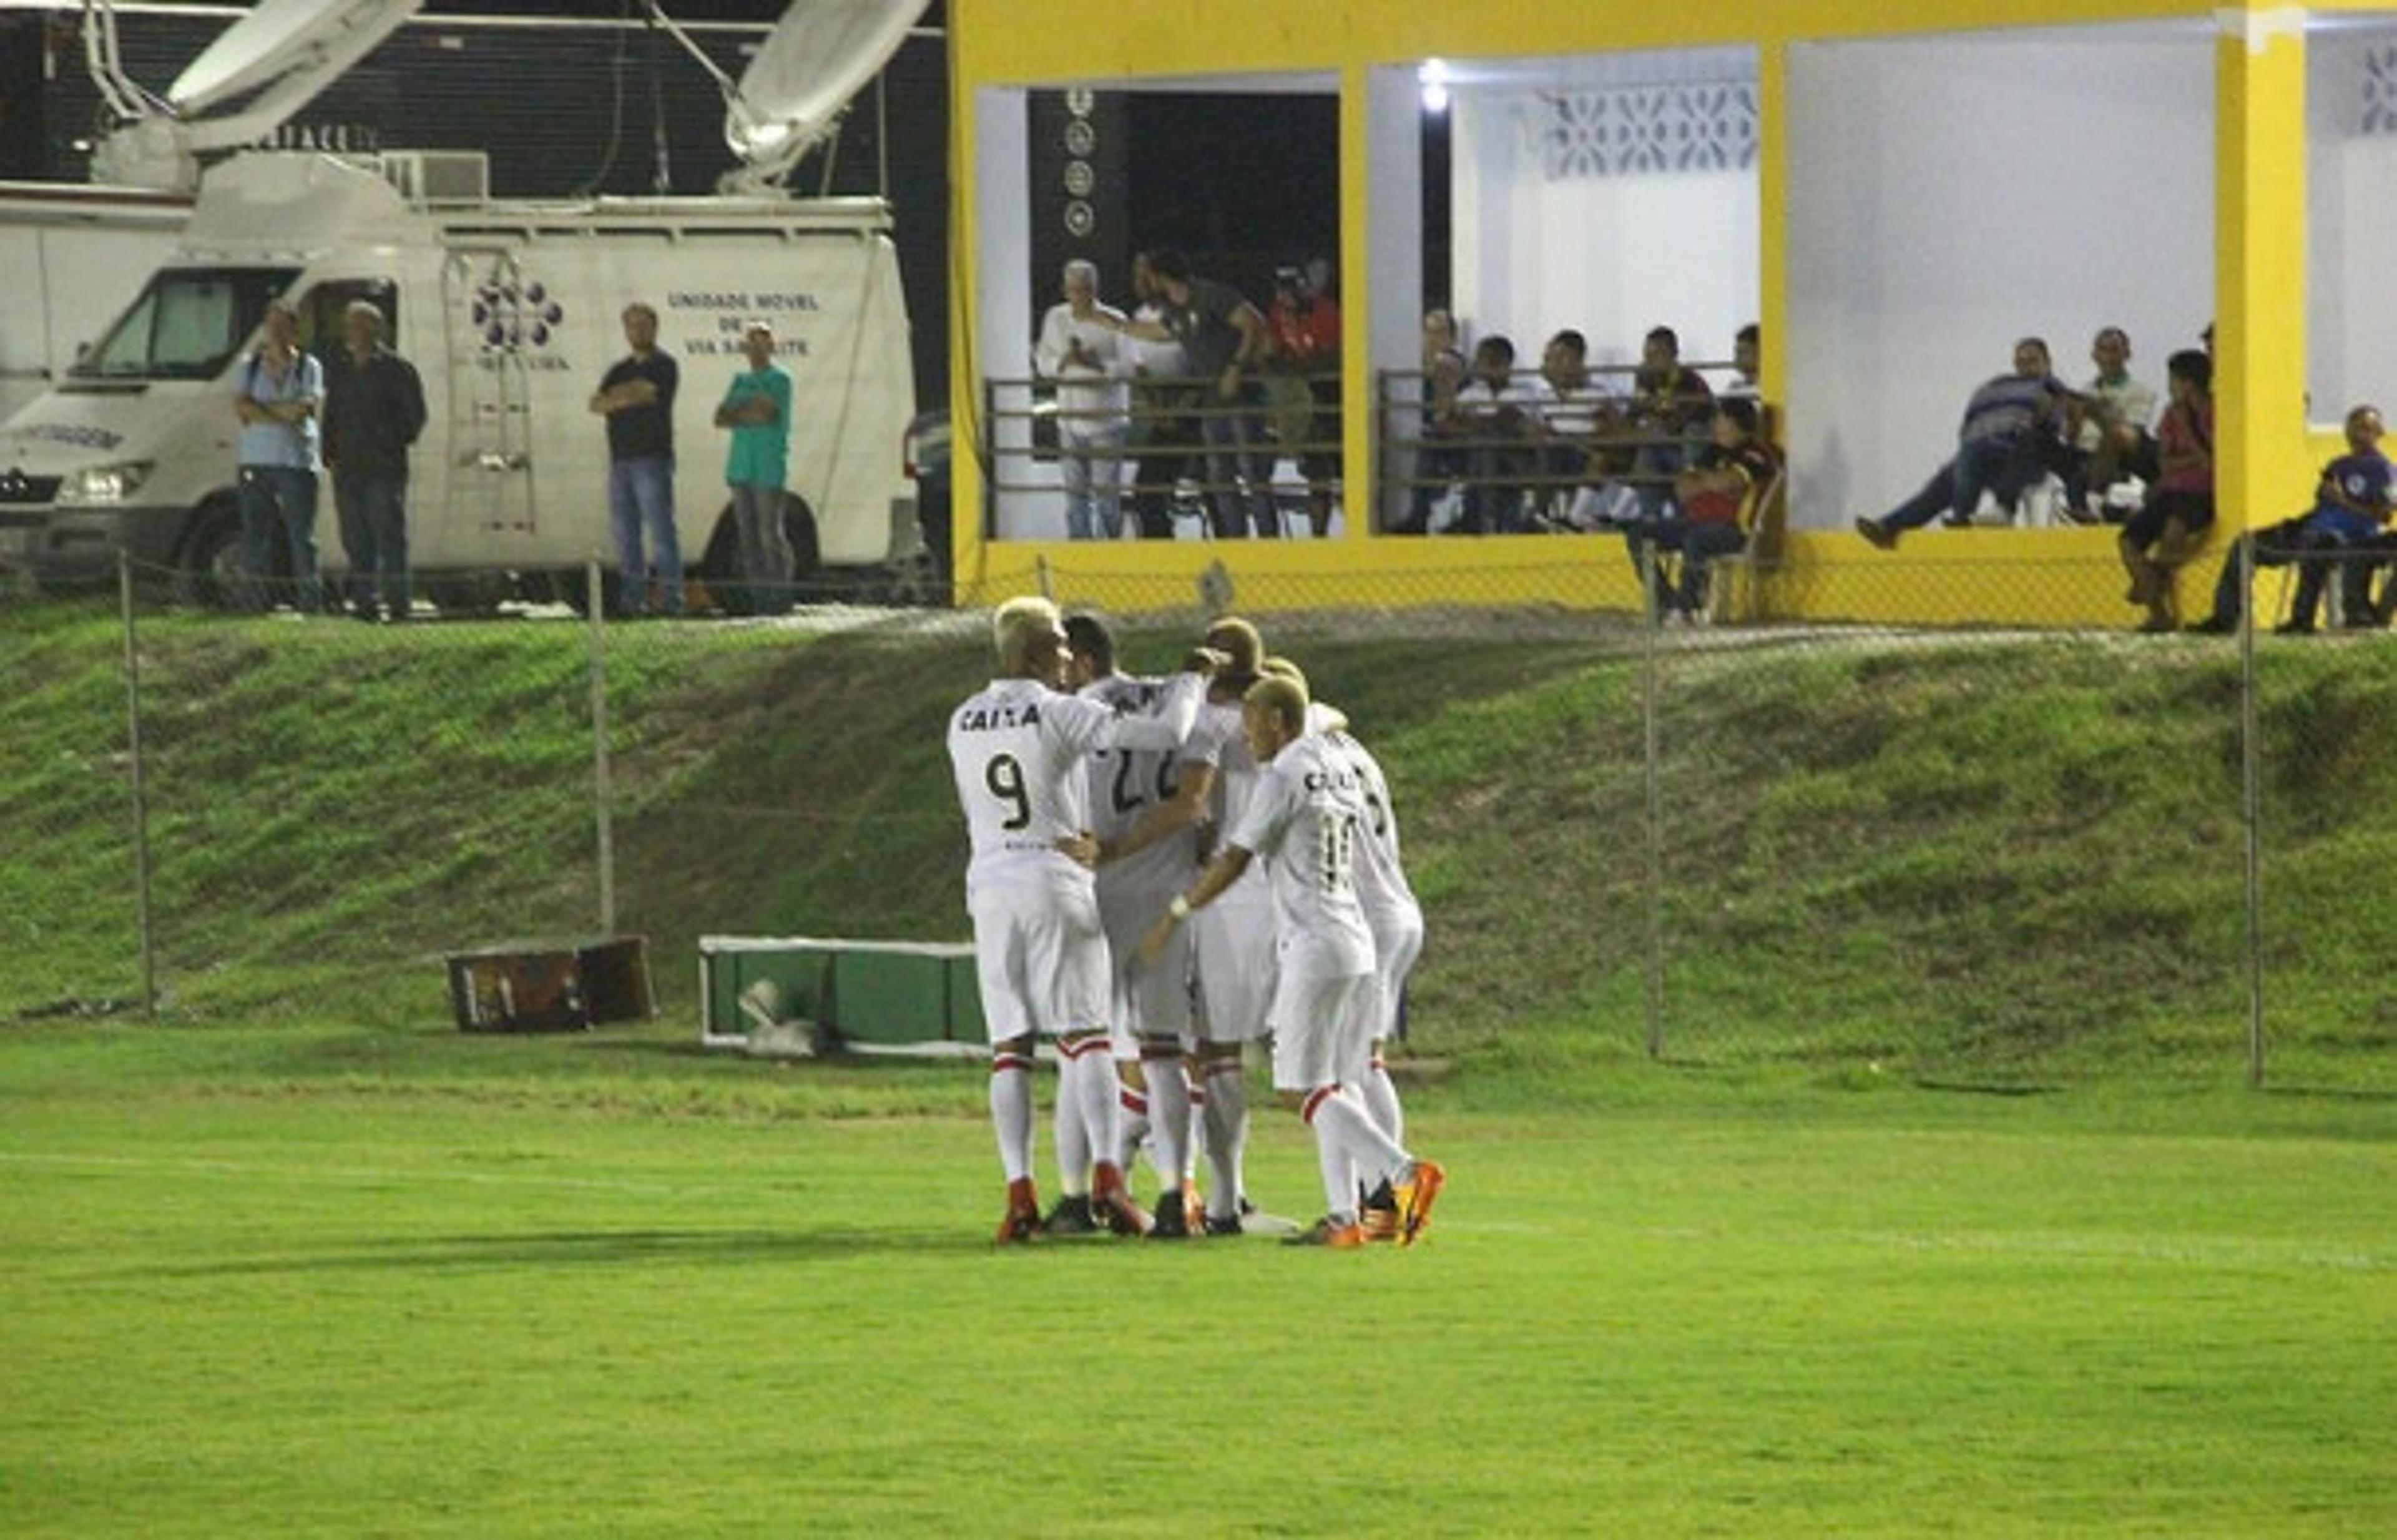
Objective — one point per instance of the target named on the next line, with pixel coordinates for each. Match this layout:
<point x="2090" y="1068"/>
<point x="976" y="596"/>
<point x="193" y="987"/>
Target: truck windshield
<point x="186" y="324"/>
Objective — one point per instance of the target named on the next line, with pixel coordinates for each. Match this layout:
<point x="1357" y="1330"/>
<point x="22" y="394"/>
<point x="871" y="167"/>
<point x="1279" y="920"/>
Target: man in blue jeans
<point x="374" y="409"/>
<point x="277" y="391"/>
<point x="636" y="398"/>
<point x="2012" y="425"/>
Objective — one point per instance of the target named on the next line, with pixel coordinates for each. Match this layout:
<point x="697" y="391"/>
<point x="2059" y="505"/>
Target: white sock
<point x="1332" y="1157"/>
<point x="1010" y="1113"/>
<point x="1168" y="1101"/>
<point x="1194" y="1138"/>
<point x="1339" y="1113"/>
<point x="1086" y="1097"/>
<point x="1381" y="1098"/>
<point x="1227" y="1134"/>
<point x="1131" y="1123"/>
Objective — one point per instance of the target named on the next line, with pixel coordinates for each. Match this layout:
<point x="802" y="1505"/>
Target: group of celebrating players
<point x="1094" y="798"/>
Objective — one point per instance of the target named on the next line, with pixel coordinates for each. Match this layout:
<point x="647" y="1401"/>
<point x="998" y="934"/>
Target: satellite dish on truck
<point x="789" y="99"/>
<point x="273" y="62"/>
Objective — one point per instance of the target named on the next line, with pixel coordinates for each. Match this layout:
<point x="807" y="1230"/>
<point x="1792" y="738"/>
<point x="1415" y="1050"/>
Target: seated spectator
<point x="2350" y="505"/>
<point x="1670" y="403"/>
<point x="1746" y="350"/>
<point x="2111" y="441"/>
<point x="1439" y="460"/>
<point x="1579" y="411"/>
<point x="1717" y="497"/>
<point x="1499" y="414"/>
<point x="2013" y="426"/>
<point x="2179" y="505"/>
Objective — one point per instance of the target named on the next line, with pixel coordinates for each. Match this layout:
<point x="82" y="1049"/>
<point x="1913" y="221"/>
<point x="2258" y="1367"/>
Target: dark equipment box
<point x="555" y="987"/>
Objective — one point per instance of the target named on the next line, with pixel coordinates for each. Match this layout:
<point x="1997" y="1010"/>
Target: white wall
<point x="1949" y="195"/>
<point x="2351" y="219"/>
<point x="1610" y="254"/>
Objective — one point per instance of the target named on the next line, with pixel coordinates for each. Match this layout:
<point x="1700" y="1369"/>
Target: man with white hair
<point x="374" y="409"/>
<point x="1081" y="348"/>
<point x="1017" y="749"/>
<point x="1305" y="819"/>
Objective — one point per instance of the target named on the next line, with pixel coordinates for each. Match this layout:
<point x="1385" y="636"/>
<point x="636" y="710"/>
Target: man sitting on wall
<point x="2013" y="428"/>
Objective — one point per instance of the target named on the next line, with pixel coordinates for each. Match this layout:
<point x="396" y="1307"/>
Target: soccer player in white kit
<point x="1232" y="941"/>
<point x="1305" y="819"/>
<point x="1391" y="914"/>
<point x="1017" y="749"/>
<point x="1144" y="804"/>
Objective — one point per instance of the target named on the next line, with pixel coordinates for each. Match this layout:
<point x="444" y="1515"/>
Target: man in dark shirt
<point x="636" y="398"/>
<point x="1224" y="336"/>
<point x="374" y="409"/>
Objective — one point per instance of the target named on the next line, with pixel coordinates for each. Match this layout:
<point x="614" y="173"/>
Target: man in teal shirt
<point x="757" y="410"/>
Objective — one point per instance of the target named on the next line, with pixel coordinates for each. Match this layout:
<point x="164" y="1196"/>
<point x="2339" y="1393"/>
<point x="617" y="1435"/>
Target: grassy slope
<point x="2007" y="859"/>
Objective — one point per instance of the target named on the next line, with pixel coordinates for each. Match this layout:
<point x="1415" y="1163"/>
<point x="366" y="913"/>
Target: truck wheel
<point x="208" y="571"/>
<point x="720" y="567"/>
<point x="572" y="588"/>
<point x="473" y="595"/>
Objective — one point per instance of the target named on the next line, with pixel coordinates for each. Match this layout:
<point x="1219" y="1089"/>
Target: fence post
<point x="1653" y="789"/>
<point x="140" y="789"/>
<point x="603" y="792"/>
<point x="2251" y="798"/>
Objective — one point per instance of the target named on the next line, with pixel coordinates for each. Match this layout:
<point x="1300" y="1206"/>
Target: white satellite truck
<point x="72" y="255"/>
<point x="510" y="311"/>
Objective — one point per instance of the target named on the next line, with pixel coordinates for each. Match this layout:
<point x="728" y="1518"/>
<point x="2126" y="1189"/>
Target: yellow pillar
<point x="1773" y="217"/>
<point x="2259" y="339"/>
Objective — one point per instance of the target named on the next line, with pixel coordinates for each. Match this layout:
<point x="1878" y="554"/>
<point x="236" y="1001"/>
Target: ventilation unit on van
<point x="432" y="178"/>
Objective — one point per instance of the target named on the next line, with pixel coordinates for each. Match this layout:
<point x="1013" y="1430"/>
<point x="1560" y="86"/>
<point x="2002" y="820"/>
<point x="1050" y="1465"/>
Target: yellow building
<point x="1927" y="182"/>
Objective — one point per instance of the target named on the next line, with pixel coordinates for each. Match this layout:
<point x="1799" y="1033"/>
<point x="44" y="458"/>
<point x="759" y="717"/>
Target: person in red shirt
<point x="1303" y="389"/>
<point x="1717" y="497"/>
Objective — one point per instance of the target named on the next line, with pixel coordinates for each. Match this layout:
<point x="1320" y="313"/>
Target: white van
<point x="510" y="312"/>
<point x="74" y="255"/>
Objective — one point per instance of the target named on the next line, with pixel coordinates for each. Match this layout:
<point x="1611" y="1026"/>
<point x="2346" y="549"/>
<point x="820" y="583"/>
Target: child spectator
<point x="2179" y="507"/>
<point x="2350" y="504"/>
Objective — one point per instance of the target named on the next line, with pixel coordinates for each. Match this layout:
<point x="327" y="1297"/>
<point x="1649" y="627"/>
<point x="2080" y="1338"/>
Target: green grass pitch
<point x="243" y="1293"/>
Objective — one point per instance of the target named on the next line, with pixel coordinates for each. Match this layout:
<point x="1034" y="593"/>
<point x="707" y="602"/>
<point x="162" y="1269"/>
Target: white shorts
<point x="1236" y="961"/>
<point x="1396" y="946"/>
<point x="1040" y="957"/>
<point x="1146" y="999"/>
<point x="1323" y="1027"/>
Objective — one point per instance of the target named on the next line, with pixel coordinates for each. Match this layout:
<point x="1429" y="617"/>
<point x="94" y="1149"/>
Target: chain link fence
<point x="2004" y="858"/>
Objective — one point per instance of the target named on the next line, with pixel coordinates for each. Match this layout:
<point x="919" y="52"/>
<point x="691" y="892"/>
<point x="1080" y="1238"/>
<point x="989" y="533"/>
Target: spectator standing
<point x="278" y="391"/>
<point x="1081" y="348"/>
<point x="1225" y="337"/>
<point x="2013" y="425"/>
<point x="374" y="409"/>
<point x="2179" y="505"/>
<point x="1304" y="384"/>
<point x="637" y="396"/>
<point x="1164" y="433"/>
<point x="756" y="408"/>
